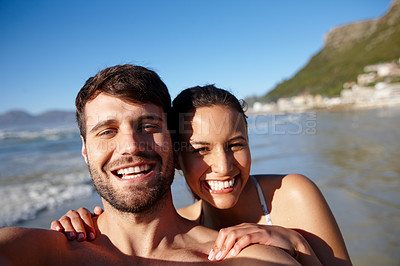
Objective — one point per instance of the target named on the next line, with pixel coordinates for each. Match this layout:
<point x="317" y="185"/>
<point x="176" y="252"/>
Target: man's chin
<point x="143" y="207"/>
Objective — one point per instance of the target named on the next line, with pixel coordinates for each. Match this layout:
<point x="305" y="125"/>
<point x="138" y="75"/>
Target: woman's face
<point x="215" y="155"/>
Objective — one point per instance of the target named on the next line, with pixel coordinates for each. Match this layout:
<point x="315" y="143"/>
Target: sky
<point x="48" y="49"/>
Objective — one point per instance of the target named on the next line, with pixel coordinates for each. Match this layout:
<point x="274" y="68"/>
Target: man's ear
<point x="84" y="154"/>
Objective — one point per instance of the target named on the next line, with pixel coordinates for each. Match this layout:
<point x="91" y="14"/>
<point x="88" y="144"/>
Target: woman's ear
<point x="84" y="154"/>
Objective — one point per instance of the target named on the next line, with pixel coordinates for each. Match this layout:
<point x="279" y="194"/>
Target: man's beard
<point x="142" y="197"/>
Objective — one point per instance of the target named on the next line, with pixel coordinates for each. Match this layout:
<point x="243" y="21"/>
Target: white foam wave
<point x="39" y="134"/>
<point x="25" y="200"/>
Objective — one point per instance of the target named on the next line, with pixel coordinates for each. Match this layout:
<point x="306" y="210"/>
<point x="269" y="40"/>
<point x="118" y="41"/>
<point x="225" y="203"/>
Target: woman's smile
<point x="220" y="186"/>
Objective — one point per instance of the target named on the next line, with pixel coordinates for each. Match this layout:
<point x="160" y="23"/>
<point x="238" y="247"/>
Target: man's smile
<point x="133" y="172"/>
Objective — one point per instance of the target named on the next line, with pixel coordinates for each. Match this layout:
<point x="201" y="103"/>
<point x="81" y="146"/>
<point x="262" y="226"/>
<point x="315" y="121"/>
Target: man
<point x="127" y="147"/>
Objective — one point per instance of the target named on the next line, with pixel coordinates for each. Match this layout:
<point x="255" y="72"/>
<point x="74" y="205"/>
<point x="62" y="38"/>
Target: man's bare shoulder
<point x="263" y="255"/>
<point x="33" y="246"/>
<point x="27" y="236"/>
<point x="28" y="245"/>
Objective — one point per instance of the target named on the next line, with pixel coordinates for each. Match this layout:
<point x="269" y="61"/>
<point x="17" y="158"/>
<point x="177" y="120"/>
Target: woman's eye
<point x="236" y="146"/>
<point x="201" y="150"/>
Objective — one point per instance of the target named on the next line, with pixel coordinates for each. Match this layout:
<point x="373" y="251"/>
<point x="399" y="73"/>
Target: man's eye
<point x="107" y="132"/>
<point x="150" y="128"/>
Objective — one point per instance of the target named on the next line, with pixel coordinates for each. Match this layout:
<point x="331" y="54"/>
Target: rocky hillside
<point x="347" y="50"/>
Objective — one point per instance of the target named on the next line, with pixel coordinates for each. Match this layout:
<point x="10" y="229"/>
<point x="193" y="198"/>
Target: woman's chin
<point x="224" y="203"/>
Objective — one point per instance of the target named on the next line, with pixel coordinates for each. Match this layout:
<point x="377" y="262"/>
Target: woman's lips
<point x="220" y="186"/>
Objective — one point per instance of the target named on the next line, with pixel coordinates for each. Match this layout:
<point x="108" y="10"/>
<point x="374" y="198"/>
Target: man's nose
<point x="131" y="143"/>
<point x="222" y="162"/>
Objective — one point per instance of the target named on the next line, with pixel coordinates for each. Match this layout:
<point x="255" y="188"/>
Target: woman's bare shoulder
<point x="191" y="212"/>
<point x="292" y="193"/>
<point x="294" y="183"/>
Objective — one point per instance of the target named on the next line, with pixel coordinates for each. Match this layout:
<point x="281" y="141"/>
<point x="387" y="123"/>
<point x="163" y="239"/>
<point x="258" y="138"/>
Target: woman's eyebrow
<point x="237" y="138"/>
<point x="199" y="142"/>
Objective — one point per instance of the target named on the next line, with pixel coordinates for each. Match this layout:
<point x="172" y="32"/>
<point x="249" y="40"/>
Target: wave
<point x="30" y="135"/>
<point x="24" y="201"/>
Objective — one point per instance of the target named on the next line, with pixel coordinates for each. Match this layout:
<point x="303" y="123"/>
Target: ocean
<point x="353" y="157"/>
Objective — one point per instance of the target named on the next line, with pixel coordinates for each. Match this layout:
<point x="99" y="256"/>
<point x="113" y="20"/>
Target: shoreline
<point x="337" y="108"/>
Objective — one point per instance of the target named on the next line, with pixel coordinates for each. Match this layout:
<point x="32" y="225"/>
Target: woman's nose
<point x="222" y="163"/>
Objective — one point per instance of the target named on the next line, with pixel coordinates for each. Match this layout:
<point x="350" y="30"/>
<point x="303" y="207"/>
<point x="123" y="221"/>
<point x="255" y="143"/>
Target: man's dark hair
<point x="129" y="83"/>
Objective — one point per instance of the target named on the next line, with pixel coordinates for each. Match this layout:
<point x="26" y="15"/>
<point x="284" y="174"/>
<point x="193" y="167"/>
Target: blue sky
<point x="48" y="49"/>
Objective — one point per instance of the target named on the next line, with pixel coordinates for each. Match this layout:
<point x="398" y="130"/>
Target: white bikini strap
<point x="262" y="201"/>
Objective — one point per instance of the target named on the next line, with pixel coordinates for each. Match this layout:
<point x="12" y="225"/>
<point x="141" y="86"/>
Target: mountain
<point x="15" y="116"/>
<point x="18" y="117"/>
<point x="347" y="50"/>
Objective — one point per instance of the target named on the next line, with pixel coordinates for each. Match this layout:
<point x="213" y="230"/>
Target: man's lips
<point x="133" y="171"/>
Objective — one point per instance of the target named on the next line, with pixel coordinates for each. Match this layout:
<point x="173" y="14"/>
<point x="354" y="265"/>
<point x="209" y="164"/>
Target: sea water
<point x="353" y="157"/>
<point x="40" y="169"/>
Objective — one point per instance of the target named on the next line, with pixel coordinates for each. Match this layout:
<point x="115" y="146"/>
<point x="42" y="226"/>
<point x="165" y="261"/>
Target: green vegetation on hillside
<point x="326" y="71"/>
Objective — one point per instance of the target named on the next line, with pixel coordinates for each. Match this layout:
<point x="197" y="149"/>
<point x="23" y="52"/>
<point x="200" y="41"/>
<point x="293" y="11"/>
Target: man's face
<point x="128" y="150"/>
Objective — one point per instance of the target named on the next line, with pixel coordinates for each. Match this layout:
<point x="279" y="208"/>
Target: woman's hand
<point x="235" y="238"/>
<point x="77" y="224"/>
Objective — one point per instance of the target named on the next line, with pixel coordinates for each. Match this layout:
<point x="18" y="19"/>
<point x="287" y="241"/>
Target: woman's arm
<point x="297" y="203"/>
<point x="233" y="239"/>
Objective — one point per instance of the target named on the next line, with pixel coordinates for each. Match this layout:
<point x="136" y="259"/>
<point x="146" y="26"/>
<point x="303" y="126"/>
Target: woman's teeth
<point x="220" y="185"/>
<point x="132" y="172"/>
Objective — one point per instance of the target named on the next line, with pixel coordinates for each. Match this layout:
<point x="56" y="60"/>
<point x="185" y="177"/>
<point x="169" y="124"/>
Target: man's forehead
<point x="105" y="107"/>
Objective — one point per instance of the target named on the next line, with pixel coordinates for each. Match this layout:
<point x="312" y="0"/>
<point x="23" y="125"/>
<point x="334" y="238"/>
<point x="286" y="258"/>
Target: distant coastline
<point x="378" y="86"/>
<point x="19" y="117"/>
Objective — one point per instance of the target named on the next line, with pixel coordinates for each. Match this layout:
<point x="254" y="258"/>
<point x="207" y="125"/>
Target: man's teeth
<point x="220" y="185"/>
<point x="131" y="172"/>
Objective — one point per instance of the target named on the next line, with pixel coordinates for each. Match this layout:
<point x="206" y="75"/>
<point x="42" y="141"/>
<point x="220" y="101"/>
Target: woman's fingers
<point x="240" y="244"/>
<point x="233" y="239"/>
<point x="69" y="230"/>
<point x="56" y="226"/>
<point x="77" y="224"/>
<point x="97" y="210"/>
<point x="226" y="239"/>
<point x="88" y="230"/>
<point x="73" y="225"/>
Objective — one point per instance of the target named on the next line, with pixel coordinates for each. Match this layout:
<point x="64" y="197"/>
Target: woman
<point x="211" y="143"/>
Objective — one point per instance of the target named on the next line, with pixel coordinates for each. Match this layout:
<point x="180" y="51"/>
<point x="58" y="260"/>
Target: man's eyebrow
<point x="102" y="124"/>
<point x="150" y="117"/>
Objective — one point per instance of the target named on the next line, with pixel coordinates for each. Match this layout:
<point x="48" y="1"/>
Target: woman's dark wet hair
<point x="185" y="104"/>
<point x="190" y="99"/>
